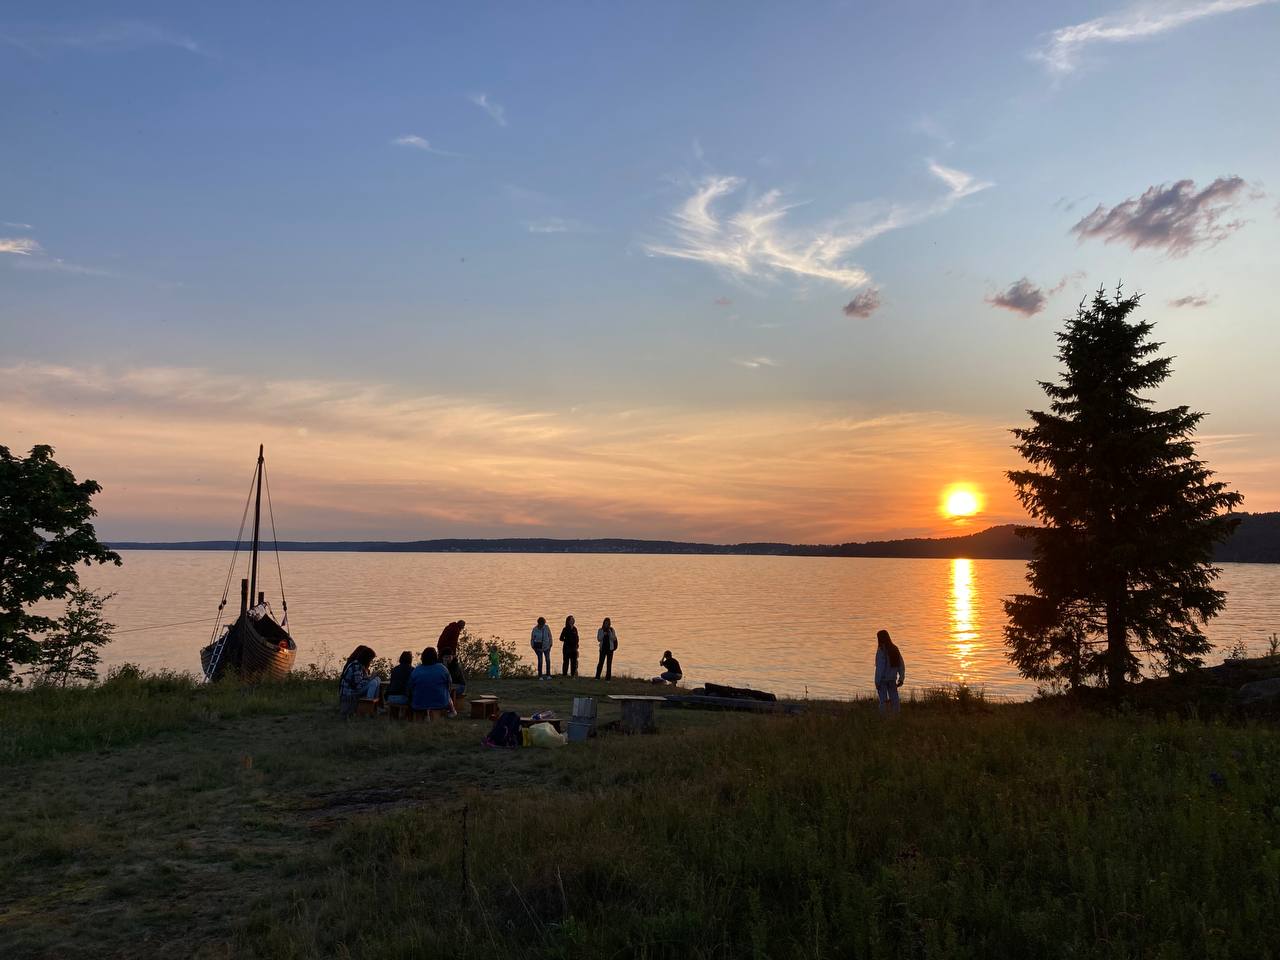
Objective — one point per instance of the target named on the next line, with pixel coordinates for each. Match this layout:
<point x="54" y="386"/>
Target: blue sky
<point x="634" y="226"/>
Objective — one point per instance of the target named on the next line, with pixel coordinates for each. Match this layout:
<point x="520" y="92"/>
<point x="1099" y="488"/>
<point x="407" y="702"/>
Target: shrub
<point x="473" y="657"/>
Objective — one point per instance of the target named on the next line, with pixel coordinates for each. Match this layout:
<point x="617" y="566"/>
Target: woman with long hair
<point x="607" y="638"/>
<point x="356" y="684"/>
<point x="890" y="672"/>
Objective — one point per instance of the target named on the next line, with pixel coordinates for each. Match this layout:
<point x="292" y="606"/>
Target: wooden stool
<point x="430" y="715"/>
<point x="485" y="708"/>
<point x="366" y="707"/>
<point x="399" y="711"/>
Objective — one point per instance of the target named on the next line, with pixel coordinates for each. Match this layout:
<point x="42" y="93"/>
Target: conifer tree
<point x="1121" y="574"/>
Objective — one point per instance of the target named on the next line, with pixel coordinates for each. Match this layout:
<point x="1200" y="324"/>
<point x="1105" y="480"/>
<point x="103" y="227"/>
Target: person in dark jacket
<point x="457" y="680"/>
<point x="607" y="638"/>
<point x="447" y="646"/>
<point x="398" y="685"/>
<point x="569" y="648"/>
<point x="671" y="672"/>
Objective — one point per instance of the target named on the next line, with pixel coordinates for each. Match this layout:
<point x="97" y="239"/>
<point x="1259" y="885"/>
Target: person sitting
<point x="398" y="685"/>
<point x="429" y="685"/>
<point x="356" y="684"/>
<point x="671" y="672"/>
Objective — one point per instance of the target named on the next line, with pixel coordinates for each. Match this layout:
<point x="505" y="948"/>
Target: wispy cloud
<point x="1191" y="300"/>
<point x="864" y="304"/>
<point x="32" y="256"/>
<point x="352" y="458"/>
<point x="22" y="246"/>
<point x="120" y="36"/>
<point x="1022" y="296"/>
<point x="557" y="225"/>
<point x="14" y="225"/>
<point x="755" y="242"/>
<point x="495" y="110"/>
<point x="755" y="363"/>
<point x="722" y="302"/>
<point x="1061" y="52"/>
<point x="423" y="144"/>
<point x="1176" y="218"/>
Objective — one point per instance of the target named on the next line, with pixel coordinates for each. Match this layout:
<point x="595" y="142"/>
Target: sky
<point x="701" y="271"/>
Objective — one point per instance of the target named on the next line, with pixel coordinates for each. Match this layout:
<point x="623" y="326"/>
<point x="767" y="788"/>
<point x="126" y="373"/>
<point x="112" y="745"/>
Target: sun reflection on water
<point x="964" y="626"/>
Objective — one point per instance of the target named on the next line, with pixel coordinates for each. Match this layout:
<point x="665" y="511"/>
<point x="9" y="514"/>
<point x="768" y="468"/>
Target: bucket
<point x="579" y="730"/>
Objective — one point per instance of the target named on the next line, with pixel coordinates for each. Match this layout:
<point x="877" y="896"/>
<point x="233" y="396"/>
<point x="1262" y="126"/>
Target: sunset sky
<point x="673" y="270"/>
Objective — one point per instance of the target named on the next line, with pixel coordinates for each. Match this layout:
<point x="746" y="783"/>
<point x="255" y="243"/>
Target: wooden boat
<point x="254" y="647"/>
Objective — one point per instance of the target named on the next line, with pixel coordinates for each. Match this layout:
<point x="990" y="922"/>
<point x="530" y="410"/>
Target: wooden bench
<point x="366" y="707"/>
<point x="637" y="713"/>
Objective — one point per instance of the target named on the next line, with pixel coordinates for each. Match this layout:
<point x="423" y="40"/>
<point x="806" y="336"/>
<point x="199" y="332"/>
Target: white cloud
<point x="22" y="246"/>
<point x="495" y="110"/>
<point x="557" y="225"/>
<point x="16" y="226"/>
<point x="1061" y="53"/>
<point x="754" y="242"/>
<point x="123" y="35"/>
<point x="421" y="143"/>
<point x="755" y="363"/>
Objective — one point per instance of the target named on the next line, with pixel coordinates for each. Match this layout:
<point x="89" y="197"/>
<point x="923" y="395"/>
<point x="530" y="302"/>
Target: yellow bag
<point x="544" y="735"/>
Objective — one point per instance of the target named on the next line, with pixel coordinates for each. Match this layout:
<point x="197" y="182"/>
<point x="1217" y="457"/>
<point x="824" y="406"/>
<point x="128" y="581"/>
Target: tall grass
<point x="132" y="704"/>
<point x="1013" y="832"/>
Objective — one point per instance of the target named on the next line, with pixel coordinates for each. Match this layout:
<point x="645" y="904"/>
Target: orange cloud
<point x="174" y="448"/>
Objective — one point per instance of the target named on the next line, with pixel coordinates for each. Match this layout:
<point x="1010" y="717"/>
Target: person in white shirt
<point x="890" y="672"/>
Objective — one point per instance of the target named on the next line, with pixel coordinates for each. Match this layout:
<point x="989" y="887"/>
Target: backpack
<point x="505" y="732"/>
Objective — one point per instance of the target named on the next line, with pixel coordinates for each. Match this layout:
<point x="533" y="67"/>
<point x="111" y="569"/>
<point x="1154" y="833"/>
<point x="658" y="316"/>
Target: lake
<point x="788" y="624"/>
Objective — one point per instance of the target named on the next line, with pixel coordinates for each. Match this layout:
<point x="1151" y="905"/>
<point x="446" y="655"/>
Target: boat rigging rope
<point x="231" y="569"/>
<point x="284" y="604"/>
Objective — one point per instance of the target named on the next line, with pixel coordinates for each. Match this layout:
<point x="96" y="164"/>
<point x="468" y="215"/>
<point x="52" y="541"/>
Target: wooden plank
<point x="624" y="697"/>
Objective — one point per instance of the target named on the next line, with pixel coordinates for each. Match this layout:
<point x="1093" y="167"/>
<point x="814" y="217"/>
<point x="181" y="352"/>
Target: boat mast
<point x="257" y="519"/>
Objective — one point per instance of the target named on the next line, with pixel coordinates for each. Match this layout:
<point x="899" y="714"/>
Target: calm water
<point x="782" y="623"/>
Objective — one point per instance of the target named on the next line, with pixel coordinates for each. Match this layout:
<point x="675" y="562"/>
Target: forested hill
<point x="1256" y="540"/>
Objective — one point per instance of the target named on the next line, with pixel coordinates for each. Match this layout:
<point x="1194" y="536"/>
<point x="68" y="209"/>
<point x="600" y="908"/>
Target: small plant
<point x="1238" y="651"/>
<point x="70" y="650"/>
<point x="1273" y="645"/>
<point x="381" y="668"/>
<point x="473" y="657"/>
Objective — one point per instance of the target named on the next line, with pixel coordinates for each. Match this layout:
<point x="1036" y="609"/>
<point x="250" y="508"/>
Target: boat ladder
<point x="216" y="657"/>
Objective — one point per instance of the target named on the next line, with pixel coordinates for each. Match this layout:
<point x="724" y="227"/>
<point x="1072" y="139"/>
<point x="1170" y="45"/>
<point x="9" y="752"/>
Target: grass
<point x="260" y="825"/>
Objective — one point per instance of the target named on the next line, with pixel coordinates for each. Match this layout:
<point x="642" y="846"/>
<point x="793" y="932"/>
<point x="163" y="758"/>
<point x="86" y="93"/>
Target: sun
<point x="960" y="500"/>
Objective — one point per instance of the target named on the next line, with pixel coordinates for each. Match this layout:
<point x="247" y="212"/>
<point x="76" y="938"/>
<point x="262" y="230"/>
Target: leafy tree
<point x="70" y="650"/>
<point x="44" y="533"/>
<point x="1122" y="559"/>
<point x="473" y="656"/>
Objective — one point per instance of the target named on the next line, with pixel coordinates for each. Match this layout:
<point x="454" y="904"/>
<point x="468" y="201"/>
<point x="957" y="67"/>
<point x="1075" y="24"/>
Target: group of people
<point x="435" y="684"/>
<point x="540" y="641"/>
<point x="437" y="681"/>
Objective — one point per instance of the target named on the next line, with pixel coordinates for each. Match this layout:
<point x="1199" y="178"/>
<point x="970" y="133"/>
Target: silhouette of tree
<point x="1129" y="517"/>
<point x="44" y="533"/>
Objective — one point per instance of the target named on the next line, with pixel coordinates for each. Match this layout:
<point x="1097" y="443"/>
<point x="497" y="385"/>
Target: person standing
<point x="891" y="670"/>
<point x="447" y="646"/>
<point x="608" y="641"/>
<point x="540" y="640"/>
<point x="569" y="648"/>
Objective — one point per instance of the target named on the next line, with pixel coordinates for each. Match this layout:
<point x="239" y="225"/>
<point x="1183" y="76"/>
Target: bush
<point x="473" y="657"/>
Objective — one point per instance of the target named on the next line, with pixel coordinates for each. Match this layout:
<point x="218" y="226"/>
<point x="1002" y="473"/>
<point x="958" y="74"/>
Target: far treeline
<point x="1255" y="540"/>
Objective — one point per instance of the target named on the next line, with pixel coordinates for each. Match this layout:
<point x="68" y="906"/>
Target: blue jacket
<point x="429" y="687"/>
<point x="886" y="673"/>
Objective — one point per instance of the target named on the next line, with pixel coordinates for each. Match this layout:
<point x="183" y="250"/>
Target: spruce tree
<point x="1121" y="572"/>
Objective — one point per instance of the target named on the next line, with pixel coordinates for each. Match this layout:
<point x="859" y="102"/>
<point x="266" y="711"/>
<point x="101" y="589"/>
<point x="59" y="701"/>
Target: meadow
<point x="151" y="816"/>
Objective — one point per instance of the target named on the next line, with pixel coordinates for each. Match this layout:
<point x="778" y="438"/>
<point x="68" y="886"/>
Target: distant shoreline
<point x="1256" y="540"/>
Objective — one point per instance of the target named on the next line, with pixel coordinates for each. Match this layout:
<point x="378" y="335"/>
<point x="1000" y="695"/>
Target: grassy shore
<point x="146" y="817"/>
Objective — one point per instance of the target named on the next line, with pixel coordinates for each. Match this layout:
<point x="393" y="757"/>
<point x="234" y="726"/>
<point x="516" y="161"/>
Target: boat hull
<point x="254" y="649"/>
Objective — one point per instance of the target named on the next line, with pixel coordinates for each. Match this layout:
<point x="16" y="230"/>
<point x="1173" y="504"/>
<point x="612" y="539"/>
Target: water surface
<point x="789" y="624"/>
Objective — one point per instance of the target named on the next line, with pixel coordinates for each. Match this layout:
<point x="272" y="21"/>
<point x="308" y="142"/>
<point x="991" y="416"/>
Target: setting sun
<point x="960" y="501"/>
